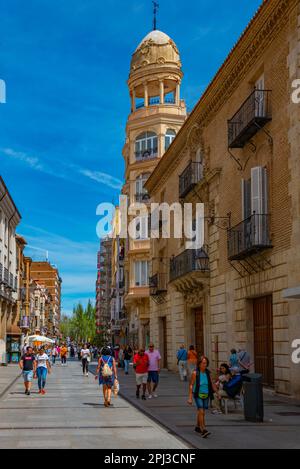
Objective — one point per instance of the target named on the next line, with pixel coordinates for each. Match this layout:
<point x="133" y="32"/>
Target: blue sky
<point x="65" y="64"/>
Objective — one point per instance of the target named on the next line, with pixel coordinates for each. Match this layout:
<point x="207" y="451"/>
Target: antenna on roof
<point x="155" y="10"/>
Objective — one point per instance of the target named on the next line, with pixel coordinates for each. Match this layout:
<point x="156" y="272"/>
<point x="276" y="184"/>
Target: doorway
<point x="199" y="331"/>
<point x="263" y="338"/>
<point x="163" y="342"/>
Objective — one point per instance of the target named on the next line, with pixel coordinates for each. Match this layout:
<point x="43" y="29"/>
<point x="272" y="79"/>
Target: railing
<point x="170" y="100"/>
<point x="158" y="284"/>
<point x="147" y="154"/>
<point x="1" y="273"/>
<point x="191" y="260"/>
<point x="16" y="284"/>
<point x="6" y="276"/>
<point x="254" y="113"/>
<point x="11" y="281"/>
<point x="248" y="237"/>
<point x="190" y="177"/>
<point x="142" y="197"/>
<point x="154" y="101"/>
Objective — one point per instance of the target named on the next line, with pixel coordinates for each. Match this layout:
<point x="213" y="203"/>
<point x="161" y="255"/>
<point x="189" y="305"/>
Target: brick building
<point x="238" y="153"/>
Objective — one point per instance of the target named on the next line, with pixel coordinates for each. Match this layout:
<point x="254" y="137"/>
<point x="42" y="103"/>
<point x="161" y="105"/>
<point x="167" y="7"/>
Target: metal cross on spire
<point x="155" y="10"/>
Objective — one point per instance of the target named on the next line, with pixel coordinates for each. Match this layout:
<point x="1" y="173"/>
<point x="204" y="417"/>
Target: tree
<point x="81" y="326"/>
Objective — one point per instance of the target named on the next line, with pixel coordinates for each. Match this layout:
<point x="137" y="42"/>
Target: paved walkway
<point x="281" y="428"/>
<point x="72" y="415"/>
<point x="7" y="375"/>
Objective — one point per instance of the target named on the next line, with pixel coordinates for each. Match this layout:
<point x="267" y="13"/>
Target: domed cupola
<point x="155" y="72"/>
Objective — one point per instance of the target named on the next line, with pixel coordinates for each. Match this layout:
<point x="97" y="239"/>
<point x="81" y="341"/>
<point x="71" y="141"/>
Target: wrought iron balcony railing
<point x="254" y="113"/>
<point x="158" y="284"/>
<point x="6" y="276"/>
<point x="142" y="197"/>
<point x="248" y="237"/>
<point x="147" y="154"/>
<point x="191" y="260"/>
<point x="189" y="178"/>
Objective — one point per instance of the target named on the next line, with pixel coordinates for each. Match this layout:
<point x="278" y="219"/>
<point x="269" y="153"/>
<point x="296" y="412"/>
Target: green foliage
<point x="81" y="326"/>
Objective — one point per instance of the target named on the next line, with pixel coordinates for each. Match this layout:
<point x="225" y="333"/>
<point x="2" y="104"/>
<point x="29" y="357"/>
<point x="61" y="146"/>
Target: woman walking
<point x="42" y="369"/>
<point x="85" y="359"/>
<point x="107" y="372"/>
<point x="192" y="360"/>
<point x="202" y="388"/>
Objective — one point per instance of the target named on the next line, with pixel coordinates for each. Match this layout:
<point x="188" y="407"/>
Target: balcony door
<point x="263" y="338"/>
<point x="260" y="107"/>
<point x="199" y="331"/>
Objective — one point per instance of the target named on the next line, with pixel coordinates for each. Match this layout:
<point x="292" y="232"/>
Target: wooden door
<point x="263" y="338"/>
<point x="199" y="331"/>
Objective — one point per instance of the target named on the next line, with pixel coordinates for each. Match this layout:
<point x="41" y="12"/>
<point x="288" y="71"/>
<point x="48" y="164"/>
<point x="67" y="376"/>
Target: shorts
<point x="153" y="377"/>
<point x="141" y="378"/>
<point x="201" y="403"/>
<point x="27" y="376"/>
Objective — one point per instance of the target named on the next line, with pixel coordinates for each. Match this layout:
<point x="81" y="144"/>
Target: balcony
<point x="145" y="155"/>
<point x="191" y="260"/>
<point x="25" y="322"/>
<point x="6" y="276"/>
<point x="190" y="178"/>
<point x="158" y="284"/>
<point x="254" y="113"/>
<point x="1" y="274"/>
<point x="249" y="237"/>
<point x="142" y="198"/>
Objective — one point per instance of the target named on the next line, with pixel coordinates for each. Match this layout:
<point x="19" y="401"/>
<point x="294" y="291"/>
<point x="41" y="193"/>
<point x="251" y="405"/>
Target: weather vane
<point x="156" y="7"/>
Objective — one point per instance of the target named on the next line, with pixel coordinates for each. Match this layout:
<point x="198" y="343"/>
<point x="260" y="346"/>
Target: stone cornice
<point x="261" y="30"/>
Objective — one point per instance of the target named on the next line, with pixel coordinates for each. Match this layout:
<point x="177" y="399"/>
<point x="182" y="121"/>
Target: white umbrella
<point x="40" y="338"/>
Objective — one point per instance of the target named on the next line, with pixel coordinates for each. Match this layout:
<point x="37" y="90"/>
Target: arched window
<point x="169" y="137"/>
<point x="141" y="195"/>
<point x="146" y="146"/>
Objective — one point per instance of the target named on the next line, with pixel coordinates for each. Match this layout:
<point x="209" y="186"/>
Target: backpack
<point x="234" y="386"/>
<point x="106" y="370"/>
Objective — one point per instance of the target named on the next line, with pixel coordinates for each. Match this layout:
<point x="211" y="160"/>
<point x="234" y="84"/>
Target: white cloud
<point x="33" y="162"/>
<point x="76" y="262"/>
<point x="102" y="178"/>
<point x="67" y="172"/>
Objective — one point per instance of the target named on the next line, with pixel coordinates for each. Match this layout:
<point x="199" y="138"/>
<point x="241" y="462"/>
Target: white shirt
<point x="85" y="353"/>
<point x="42" y="360"/>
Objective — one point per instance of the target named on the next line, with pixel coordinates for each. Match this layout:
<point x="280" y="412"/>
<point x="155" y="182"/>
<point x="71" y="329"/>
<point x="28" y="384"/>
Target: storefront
<point x="13" y="347"/>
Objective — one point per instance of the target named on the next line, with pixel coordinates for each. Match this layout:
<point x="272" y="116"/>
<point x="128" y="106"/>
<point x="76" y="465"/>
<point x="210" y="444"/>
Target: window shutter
<point x="246" y="198"/>
<point x="259" y="197"/>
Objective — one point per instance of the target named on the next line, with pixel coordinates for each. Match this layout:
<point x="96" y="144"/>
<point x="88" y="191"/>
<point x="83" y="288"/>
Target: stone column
<point x="133" y="98"/>
<point x="177" y="95"/>
<point x="162" y="91"/>
<point x="146" y="95"/>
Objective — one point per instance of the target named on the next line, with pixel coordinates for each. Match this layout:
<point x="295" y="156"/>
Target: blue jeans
<point x="41" y="372"/>
<point x="126" y="363"/>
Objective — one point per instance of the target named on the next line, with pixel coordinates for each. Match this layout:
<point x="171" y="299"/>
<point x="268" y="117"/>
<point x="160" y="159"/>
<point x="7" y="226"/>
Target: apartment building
<point x="103" y="289"/>
<point x="238" y="153"/>
<point x="9" y="220"/>
<point x="47" y="276"/>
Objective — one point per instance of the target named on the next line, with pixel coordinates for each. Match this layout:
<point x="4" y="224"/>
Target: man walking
<point x="28" y="367"/>
<point x="182" y="362"/>
<point x="153" y="370"/>
<point x="141" y="365"/>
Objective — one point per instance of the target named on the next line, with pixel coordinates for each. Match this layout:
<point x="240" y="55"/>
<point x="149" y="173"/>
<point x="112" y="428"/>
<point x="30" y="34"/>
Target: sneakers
<point x="43" y="392"/>
<point x="155" y="395"/>
<point x="40" y="391"/>
<point x="150" y="396"/>
<point x="205" y="434"/>
<point x="144" y="398"/>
